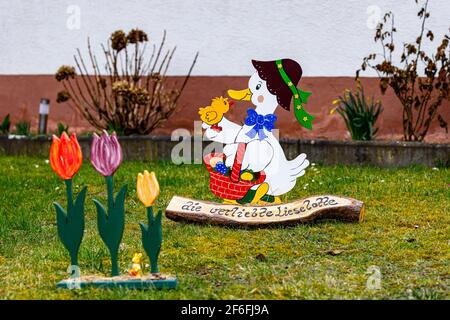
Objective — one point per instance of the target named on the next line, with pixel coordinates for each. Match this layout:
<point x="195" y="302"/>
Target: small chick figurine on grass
<point x="136" y="269"/>
<point x="214" y="113"/>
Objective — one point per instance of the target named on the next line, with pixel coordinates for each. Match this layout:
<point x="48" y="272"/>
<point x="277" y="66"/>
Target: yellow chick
<point x="136" y="270"/>
<point x="213" y="114"/>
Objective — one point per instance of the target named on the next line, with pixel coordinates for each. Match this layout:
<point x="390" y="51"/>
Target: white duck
<point x="263" y="150"/>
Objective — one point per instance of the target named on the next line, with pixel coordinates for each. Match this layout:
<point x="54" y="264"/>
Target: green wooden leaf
<point x="152" y="237"/>
<point x="111" y="224"/>
<point x="119" y="202"/>
<point x="144" y="228"/>
<point x="71" y="225"/>
<point x="101" y="217"/>
<point x="61" y="222"/>
<point x="79" y="202"/>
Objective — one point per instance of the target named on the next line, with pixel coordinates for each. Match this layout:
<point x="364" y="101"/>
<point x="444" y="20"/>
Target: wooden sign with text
<point x="300" y="211"/>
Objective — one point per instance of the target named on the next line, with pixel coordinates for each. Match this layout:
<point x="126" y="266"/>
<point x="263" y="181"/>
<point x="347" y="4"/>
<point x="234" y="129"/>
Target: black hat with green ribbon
<point x="282" y="77"/>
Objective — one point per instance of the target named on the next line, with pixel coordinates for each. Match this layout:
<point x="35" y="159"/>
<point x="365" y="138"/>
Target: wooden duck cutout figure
<point x="267" y="89"/>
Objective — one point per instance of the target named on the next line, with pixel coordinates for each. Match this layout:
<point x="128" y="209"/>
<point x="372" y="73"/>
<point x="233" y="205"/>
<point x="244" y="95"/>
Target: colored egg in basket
<point x="214" y="160"/>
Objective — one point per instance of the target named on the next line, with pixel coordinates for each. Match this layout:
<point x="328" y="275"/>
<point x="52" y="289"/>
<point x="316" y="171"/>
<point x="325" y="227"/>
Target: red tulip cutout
<point x="66" y="159"/>
<point x="65" y="155"/>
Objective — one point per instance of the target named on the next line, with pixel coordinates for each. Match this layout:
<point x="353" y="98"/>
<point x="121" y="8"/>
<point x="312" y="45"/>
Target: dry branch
<point x="132" y="97"/>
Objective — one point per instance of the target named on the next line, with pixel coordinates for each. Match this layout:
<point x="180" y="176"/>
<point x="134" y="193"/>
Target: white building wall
<point x="328" y="37"/>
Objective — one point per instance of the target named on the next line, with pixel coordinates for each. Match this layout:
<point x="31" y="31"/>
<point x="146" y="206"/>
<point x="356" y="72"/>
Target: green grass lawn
<point x="406" y="234"/>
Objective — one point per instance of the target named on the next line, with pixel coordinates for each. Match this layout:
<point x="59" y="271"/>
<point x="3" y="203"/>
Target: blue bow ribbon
<point x="259" y="123"/>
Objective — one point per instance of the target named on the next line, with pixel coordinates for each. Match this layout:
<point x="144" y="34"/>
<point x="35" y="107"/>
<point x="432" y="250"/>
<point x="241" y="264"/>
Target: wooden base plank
<point x="304" y="210"/>
<point x="147" y="282"/>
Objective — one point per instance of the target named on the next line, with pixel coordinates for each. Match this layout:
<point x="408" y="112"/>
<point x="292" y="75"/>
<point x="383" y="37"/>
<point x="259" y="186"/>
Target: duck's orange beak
<point x="231" y="103"/>
<point x="245" y="94"/>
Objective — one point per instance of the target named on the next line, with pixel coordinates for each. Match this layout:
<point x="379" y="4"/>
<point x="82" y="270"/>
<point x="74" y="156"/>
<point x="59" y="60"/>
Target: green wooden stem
<point x="69" y="194"/>
<point x="114" y="264"/>
<point x="154" y="261"/>
<point x="73" y="258"/>
<point x="69" y="191"/>
<point x="110" y="187"/>
<point x="150" y="216"/>
<point x="154" y="266"/>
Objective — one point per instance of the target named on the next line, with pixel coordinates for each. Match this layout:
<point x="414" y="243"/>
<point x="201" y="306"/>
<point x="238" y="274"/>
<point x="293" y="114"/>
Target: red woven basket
<point x="222" y="186"/>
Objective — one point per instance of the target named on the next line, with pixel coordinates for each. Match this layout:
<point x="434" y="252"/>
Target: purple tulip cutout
<point x="106" y="153"/>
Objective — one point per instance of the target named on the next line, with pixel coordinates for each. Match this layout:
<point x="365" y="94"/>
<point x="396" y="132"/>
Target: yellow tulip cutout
<point x="147" y="188"/>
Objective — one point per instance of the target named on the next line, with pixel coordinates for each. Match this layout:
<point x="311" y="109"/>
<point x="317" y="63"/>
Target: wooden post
<point x="304" y="210"/>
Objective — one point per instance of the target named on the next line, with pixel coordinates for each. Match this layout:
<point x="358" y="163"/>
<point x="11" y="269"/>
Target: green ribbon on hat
<point x="300" y="98"/>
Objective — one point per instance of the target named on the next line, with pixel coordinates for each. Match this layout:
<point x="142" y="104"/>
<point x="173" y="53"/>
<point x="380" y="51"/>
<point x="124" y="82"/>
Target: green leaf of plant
<point x="101" y="214"/>
<point x="61" y="222"/>
<point x="152" y="236"/>
<point x="71" y="225"/>
<point x="359" y="114"/>
<point x="144" y="228"/>
<point x="111" y="225"/>
<point x="79" y="202"/>
<point x="119" y="202"/>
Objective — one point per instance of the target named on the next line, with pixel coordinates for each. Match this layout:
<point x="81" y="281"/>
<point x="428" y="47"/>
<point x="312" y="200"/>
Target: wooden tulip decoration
<point x="106" y="153"/>
<point x="106" y="156"/>
<point x="66" y="159"/>
<point x="147" y="189"/>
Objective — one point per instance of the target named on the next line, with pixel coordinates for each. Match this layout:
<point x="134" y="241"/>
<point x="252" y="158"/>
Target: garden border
<point x="329" y="152"/>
